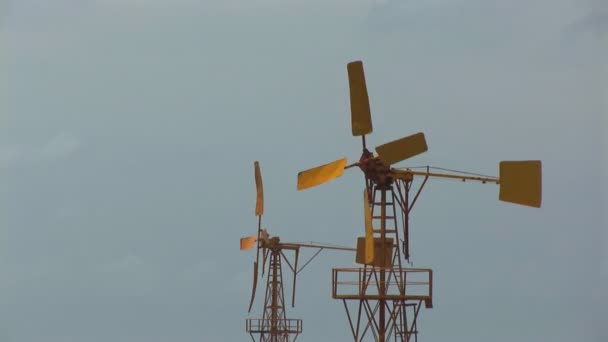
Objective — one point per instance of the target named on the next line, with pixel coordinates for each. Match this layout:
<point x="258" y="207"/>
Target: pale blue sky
<point x="128" y="131"/>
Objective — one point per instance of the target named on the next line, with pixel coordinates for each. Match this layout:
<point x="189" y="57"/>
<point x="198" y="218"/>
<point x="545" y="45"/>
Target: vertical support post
<point x="275" y="292"/>
<point x="406" y="223"/>
<point x="382" y="302"/>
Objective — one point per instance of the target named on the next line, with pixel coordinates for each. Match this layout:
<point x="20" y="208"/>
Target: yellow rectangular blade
<point x="259" y="202"/>
<point x="321" y="174"/>
<point x="361" y="118"/>
<point x="402" y="149"/>
<point x="369" y="230"/>
<point x="248" y="242"/>
<point x="521" y="182"/>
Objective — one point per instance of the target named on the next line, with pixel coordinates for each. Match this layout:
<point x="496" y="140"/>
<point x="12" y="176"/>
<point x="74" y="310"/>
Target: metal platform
<point x="401" y="284"/>
<point x="283" y="326"/>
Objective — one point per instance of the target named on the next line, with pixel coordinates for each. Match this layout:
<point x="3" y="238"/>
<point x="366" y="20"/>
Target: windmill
<point x="389" y="295"/>
<point x="274" y="326"/>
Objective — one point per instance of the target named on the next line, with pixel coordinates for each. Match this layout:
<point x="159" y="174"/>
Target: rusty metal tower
<point x="383" y="299"/>
<point x="274" y="326"/>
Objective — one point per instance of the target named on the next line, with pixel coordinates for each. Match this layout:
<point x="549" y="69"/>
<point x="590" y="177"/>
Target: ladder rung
<point x="387" y="217"/>
<point x="386" y="231"/>
<point x="380" y="203"/>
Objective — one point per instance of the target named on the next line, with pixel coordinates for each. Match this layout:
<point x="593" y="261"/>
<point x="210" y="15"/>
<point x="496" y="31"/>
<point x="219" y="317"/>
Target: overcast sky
<point x="128" y="131"/>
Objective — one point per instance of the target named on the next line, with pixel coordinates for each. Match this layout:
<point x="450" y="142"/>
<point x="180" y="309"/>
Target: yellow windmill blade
<point x="369" y="230"/>
<point x="402" y="149"/>
<point x="361" y="119"/>
<point x="521" y="182"/>
<point x="259" y="202"/>
<point x="321" y="174"/>
<point x="248" y="242"/>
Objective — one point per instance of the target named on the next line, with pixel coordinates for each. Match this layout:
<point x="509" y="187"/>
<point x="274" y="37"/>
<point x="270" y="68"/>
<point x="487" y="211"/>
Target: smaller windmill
<point x="274" y="325"/>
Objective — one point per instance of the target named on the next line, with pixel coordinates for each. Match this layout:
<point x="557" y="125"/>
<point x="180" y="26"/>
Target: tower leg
<point x="401" y="318"/>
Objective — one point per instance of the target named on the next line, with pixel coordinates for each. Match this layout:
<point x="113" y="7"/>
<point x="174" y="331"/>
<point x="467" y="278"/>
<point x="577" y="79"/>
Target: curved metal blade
<point x="402" y="149"/>
<point x="259" y="202"/>
<point x="258" y="237"/>
<point x="248" y="242"/>
<point x="321" y="174"/>
<point x="369" y="230"/>
<point x="361" y="118"/>
<point x="264" y="257"/>
<point x="259" y="211"/>
<point x="521" y="182"/>
<point x="255" y="284"/>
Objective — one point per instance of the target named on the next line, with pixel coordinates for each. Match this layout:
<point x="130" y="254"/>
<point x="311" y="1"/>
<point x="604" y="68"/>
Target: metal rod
<point x="350" y="322"/>
<point x="406" y="220"/>
<point x="406" y="173"/>
<point x="417" y="193"/>
<point x="293" y="269"/>
<point x="318" y="246"/>
<point x="381" y="331"/>
<point x="295" y="273"/>
<point x="274" y="305"/>
<point x="309" y="260"/>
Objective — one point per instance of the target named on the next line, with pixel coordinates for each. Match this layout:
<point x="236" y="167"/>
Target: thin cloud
<point x="61" y="146"/>
<point x="233" y="5"/>
<point x="143" y="3"/>
<point x="593" y="20"/>
<point x="596" y="23"/>
<point x="127" y="263"/>
<point x="10" y="155"/>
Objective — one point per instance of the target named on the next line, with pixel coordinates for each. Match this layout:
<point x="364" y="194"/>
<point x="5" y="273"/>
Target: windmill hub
<point x="375" y="170"/>
<point x="272" y="242"/>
